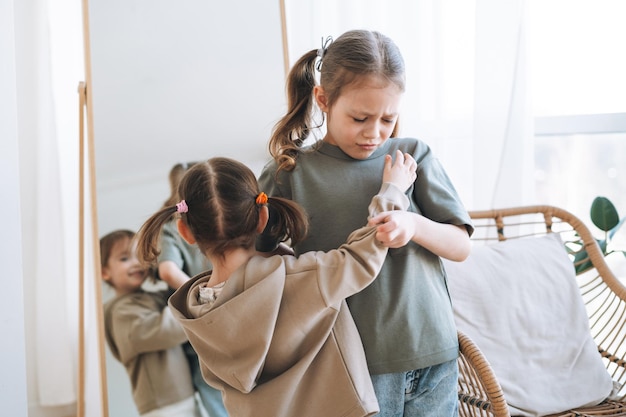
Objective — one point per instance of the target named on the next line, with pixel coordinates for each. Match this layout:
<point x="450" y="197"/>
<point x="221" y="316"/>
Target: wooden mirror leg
<point x="87" y="170"/>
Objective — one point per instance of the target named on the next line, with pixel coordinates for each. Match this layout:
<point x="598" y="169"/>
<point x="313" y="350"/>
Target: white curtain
<point x="49" y="66"/>
<point x="45" y="267"/>
<point x="12" y="325"/>
<point x="503" y="120"/>
<point x="466" y="82"/>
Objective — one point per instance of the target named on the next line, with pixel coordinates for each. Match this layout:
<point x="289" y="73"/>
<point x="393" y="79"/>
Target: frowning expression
<point x="363" y="116"/>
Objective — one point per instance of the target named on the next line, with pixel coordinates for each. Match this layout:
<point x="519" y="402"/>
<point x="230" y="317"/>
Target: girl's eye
<point x="358" y="120"/>
<point x="388" y="120"/>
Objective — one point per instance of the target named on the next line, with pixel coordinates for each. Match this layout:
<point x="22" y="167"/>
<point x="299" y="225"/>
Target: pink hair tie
<point x="182" y="207"/>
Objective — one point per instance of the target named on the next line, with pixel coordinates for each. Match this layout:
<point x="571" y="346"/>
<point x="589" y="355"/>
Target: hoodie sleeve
<point x="390" y="197"/>
<point x="354" y="265"/>
<point x="145" y="324"/>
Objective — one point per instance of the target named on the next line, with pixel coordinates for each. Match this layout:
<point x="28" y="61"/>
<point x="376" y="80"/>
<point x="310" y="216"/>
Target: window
<point x="578" y="80"/>
<point x="579" y="103"/>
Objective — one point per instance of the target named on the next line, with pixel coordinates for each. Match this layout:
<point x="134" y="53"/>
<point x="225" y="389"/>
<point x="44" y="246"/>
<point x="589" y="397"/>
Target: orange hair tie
<point x="261" y="198"/>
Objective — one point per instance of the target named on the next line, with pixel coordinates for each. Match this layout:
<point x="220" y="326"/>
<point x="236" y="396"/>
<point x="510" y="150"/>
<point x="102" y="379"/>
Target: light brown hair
<point x="346" y="61"/>
<point x="176" y="174"/>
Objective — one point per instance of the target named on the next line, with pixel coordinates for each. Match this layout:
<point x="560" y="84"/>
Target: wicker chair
<point x="603" y="294"/>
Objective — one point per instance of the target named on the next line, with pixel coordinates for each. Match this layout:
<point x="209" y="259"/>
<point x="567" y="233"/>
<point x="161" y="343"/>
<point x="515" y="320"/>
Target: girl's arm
<point x="172" y="274"/>
<point x="397" y="228"/>
<point x="445" y="240"/>
<point x="354" y="265"/>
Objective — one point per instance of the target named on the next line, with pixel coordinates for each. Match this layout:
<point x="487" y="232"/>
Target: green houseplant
<point x="605" y="217"/>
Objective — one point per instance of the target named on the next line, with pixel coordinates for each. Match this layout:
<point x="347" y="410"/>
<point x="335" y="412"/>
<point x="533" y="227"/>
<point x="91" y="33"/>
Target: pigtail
<point x="294" y="128"/>
<point x="290" y="221"/>
<point x="148" y="236"/>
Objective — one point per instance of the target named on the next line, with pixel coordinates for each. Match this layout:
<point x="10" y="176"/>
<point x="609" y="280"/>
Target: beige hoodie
<point x="279" y="341"/>
<point x="144" y="336"/>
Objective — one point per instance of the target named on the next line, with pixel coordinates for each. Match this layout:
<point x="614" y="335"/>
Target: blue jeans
<point x="423" y="392"/>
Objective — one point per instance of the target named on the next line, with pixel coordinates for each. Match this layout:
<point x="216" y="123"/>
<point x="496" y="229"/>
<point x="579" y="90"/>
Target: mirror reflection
<point x="172" y="84"/>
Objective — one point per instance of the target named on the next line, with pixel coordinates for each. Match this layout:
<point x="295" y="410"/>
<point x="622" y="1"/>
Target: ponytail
<point x="148" y="236"/>
<point x="288" y="221"/>
<point x="294" y="128"/>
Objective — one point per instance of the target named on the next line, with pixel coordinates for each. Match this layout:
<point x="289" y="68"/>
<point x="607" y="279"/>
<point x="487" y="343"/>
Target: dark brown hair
<point x="222" y="211"/>
<point x="351" y="56"/>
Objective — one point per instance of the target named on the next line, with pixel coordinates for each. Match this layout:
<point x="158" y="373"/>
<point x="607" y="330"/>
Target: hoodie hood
<point x="235" y="333"/>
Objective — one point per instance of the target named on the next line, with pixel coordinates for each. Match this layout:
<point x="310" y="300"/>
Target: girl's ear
<point x="320" y="98"/>
<point x="107" y="277"/>
<point x="264" y="216"/>
<point x="185" y="232"/>
<point x="105" y="273"/>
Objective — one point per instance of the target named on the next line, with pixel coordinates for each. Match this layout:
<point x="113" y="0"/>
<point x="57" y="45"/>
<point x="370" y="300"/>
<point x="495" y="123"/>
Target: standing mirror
<point x="175" y="82"/>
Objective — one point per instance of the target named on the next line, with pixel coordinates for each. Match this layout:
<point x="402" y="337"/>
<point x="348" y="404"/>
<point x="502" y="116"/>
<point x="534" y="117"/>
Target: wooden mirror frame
<point x="87" y="181"/>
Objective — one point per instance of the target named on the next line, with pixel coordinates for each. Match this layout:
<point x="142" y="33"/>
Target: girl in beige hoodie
<point x="143" y="335"/>
<point x="273" y="332"/>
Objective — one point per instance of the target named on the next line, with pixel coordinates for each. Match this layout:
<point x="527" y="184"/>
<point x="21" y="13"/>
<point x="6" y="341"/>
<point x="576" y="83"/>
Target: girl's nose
<point x="134" y="260"/>
<point x="371" y="131"/>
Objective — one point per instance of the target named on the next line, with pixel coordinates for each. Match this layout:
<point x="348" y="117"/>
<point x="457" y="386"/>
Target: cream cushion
<point x="519" y="302"/>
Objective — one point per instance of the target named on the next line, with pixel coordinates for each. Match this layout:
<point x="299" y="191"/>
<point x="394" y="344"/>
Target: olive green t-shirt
<point x="174" y="248"/>
<point x="405" y="316"/>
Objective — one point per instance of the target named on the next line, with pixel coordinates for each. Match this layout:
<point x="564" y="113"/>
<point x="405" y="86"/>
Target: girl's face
<point x="363" y="116"/>
<point x="123" y="270"/>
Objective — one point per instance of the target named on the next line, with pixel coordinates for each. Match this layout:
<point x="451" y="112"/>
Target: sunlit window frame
<point x="580" y="124"/>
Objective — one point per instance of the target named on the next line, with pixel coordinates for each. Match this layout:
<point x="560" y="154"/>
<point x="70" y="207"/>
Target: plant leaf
<point x="616" y="228"/>
<point x="584" y="256"/>
<point x="603" y="214"/>
<point x="580" y="268"/>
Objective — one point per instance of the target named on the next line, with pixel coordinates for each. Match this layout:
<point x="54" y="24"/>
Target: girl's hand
<point x="401" y="172"/>
<point x="394" y="229"/>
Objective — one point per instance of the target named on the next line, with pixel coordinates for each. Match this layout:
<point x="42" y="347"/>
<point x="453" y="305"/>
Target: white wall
<point x="176" y="84"/>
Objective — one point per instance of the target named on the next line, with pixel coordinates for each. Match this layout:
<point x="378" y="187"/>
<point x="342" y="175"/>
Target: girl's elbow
<point x="462" y="249"/>
<point x="461" y="253"/>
